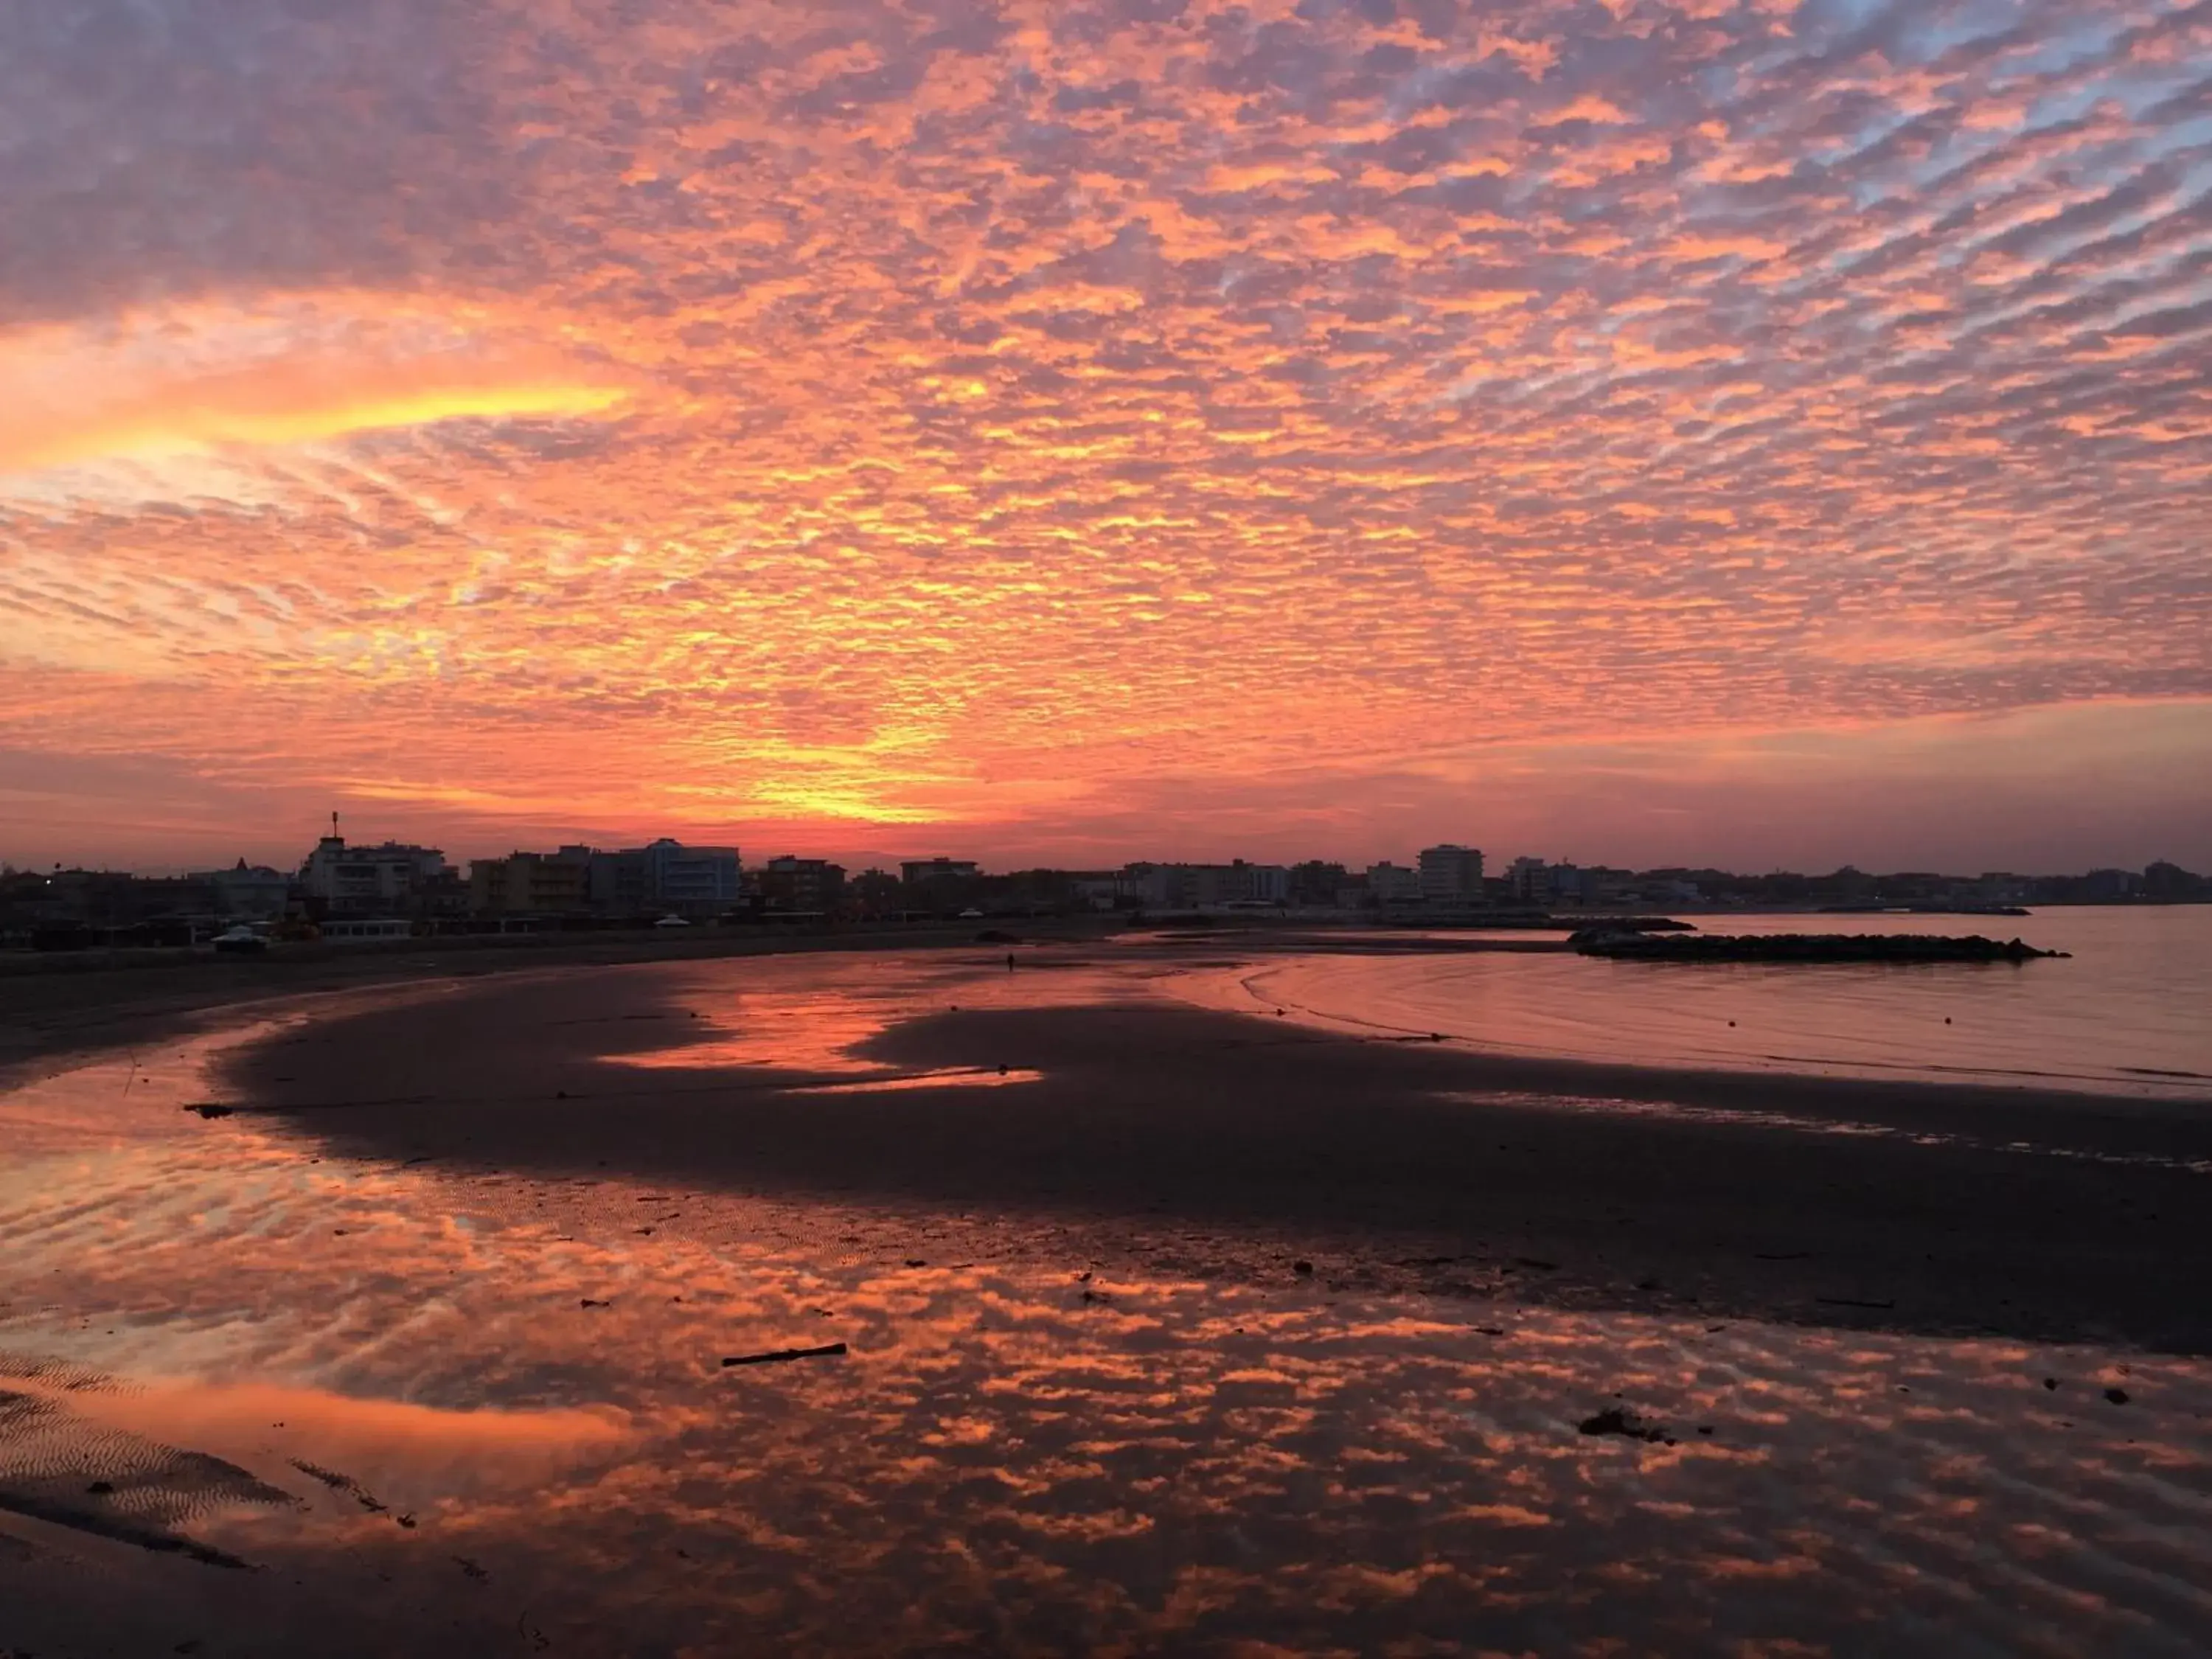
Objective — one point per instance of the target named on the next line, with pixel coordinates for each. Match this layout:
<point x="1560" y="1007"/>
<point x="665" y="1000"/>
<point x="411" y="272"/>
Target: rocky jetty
<point x="1538" y="921"/>
<point x="1802" y="947"/>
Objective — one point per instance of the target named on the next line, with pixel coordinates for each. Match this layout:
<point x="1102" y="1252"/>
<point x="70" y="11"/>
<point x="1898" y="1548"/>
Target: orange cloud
<point x="206" y="380"/>
<point x="826" y="418"/>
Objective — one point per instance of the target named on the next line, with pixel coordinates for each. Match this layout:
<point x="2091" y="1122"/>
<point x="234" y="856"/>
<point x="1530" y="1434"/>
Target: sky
<point x="1633" y="431"/>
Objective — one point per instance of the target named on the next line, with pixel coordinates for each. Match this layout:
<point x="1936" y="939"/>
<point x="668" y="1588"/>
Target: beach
<point x="1163" y="1326"/>
<point x="54" y="1006"/>
<point x="1934" y="1207"/>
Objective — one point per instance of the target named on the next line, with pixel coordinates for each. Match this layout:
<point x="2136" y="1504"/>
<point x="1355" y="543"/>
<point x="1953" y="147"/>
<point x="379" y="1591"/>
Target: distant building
<point x="1604" y="886"/>
<point x="2108" y="886"/>
<point x="1105" y="890"/>
<point x="913" y="872"/>
<point x="635" y="882"/>
<point x="1260" y="883"/>
<point x="796" y="883"/>
<point x="2168" y="880"/>
<point x="1532" y="881"/>
<point x="1208" y="886"/>
<point x="1149" y="885"/>
<point x="1317" y="882"/>
<point x="691" y="880"/>
<point x="1392" y="883"/>
<point x="1451" y="873"/>
<point x="360" y="881"/>
<point x="876" y="891"/>
<point x="615" y="884"/>
<point x="252" y="892"/>
<point x="530" y="883"/>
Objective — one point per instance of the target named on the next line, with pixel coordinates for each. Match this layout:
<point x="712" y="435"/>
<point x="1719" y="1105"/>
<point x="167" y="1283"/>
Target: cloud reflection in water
<point x="1020" y="1451"/>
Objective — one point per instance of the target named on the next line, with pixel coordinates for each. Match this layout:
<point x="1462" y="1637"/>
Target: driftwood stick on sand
<point x="828" y="1350"/>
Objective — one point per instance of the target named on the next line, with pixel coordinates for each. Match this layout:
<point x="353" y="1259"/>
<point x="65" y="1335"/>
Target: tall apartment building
<point x="1393" y="884"/>
<point x="1261" y="884"/>
<point x="914" y="871"/>
<point x="530" y="883"/>
<point x="615" y="884"/>
<point x="691" y="880"/>
<point x="1203" y="886"/>
<point x="388" y="879"/>
<point x="1534" y="882"/>
<point x="1525" y="880"/>
<point x="1451" y="873"/>
<point x="796" y="883"/>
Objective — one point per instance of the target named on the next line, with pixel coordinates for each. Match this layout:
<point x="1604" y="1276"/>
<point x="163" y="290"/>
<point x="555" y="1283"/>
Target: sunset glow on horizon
<point x="1635" y="431"/>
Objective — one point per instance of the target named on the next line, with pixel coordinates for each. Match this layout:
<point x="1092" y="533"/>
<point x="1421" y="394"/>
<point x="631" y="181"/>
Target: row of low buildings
<point x="351" y="883"/>
<point x="667" y="877"/>
<point x="695" y="882"/>
<point x="1453" y="876"/>
<point x="341" y="886"/>
<point x="396" y="887"/>
<point x="1447" y="874"/>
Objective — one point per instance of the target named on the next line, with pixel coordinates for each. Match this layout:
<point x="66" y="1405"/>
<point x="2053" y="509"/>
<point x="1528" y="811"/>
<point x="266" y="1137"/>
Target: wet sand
<point x="1398" y="1165"/>
<point x="1187" y="1333"/>
<point x="56" y="1006"/>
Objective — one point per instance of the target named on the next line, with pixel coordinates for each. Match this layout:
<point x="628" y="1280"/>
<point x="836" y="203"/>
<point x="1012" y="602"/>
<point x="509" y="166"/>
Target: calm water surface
<point x="2127" y="1014"/>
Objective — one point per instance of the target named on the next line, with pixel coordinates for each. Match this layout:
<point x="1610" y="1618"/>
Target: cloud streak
<point x="198" y="384"/>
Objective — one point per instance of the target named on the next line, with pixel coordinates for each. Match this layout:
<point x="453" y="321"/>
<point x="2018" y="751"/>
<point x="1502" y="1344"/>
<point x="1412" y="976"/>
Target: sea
<point x="2127" y="1011"/>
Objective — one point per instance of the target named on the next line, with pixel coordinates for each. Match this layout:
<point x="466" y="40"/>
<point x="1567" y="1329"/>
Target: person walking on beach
<point x="1010" y="961"/>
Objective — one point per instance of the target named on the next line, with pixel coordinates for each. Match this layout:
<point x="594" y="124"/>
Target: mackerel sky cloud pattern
<point x="1328" y="424"/>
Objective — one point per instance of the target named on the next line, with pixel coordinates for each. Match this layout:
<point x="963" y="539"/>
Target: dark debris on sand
<point x="343" y="1483"/>
<point x="1619" y="1420"/>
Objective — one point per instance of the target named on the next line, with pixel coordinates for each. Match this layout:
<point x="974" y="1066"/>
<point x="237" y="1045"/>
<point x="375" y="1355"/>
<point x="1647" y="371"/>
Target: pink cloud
<point x="1044" y="402"/>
